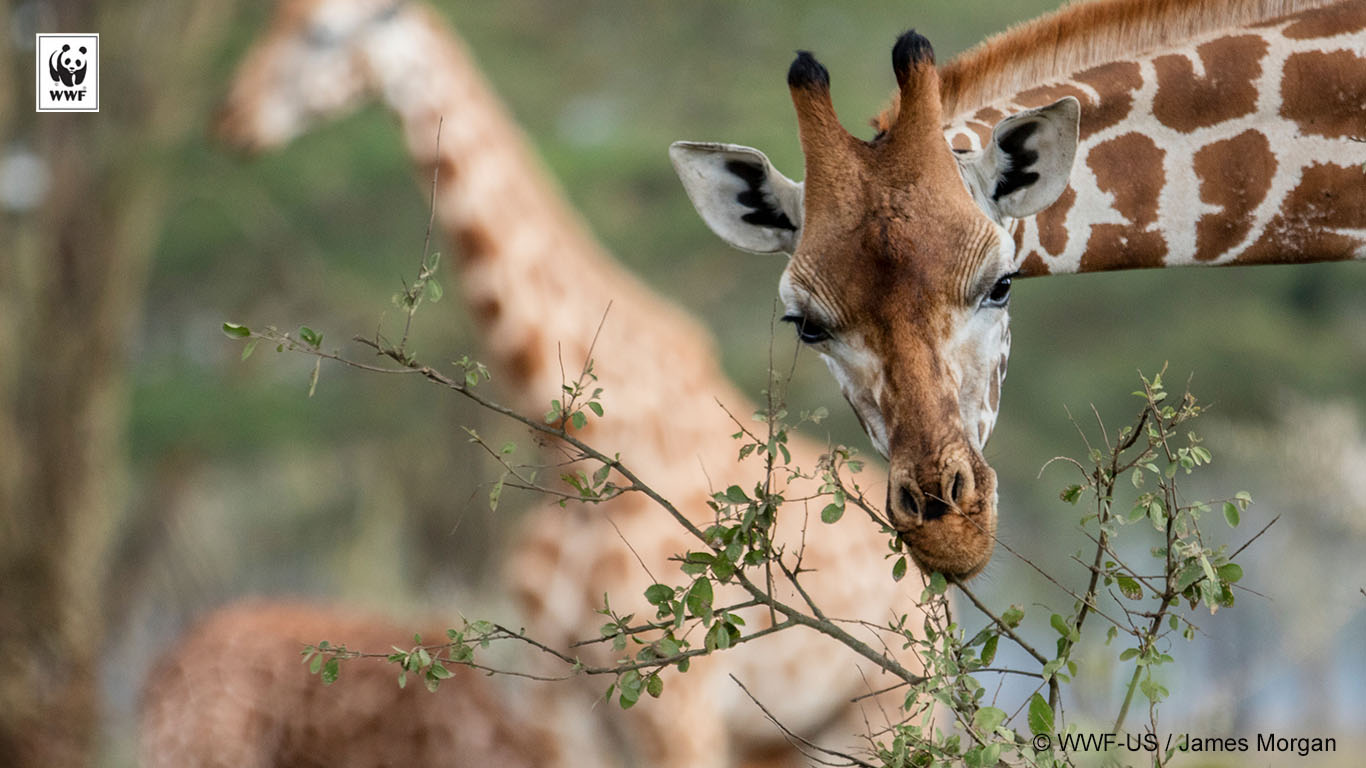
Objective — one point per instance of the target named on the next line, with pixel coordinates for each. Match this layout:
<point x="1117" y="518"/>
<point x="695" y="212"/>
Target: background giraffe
<point x="234" y="693"/>
<point x="539" y="287"/>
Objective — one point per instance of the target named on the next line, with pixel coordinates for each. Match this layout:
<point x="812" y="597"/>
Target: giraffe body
<point x="539" y="288"/>
<point x="1160" y="132"/>
<point x="234" y="693"/>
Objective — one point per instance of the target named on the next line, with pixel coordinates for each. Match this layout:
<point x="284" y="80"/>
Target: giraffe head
<point x="318" y="60"/>
<point x="899" y="276"/>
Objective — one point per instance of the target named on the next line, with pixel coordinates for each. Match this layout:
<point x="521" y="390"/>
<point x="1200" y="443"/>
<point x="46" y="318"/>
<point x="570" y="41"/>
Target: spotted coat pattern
<point x="1240" y="147"/>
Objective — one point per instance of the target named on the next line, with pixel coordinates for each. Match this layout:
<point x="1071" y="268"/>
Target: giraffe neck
<point x="1240" y="146"/>
<point x="537" y="283"/>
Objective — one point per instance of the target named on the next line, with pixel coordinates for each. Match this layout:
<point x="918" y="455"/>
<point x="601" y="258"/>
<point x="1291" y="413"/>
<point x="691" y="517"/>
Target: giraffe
<point x="235" y="693"/>
<point x="539" y="286"/>
<point x="1115" y="134"/>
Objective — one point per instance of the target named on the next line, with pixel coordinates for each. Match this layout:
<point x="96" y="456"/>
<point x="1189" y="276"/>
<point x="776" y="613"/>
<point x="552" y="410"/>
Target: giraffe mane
<point x="1082" y="35"/>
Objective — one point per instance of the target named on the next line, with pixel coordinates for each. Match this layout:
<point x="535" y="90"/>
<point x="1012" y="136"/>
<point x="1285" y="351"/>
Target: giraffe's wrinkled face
<point x="312" y="66"/>
<point x="918" y="344"/>
<point x="900" y="275"/>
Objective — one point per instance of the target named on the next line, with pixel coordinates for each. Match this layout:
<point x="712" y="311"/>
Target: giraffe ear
<point x="739" y="194"/>
<point x="1027" y="165"/>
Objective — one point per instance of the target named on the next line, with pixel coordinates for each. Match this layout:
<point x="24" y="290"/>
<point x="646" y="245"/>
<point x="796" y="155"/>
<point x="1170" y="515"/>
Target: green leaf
<point x="249" y="348"/>
<point x="938" y="584"/>
<point x="495" y="494"/>
<point x="736" y="495"/>
<point x="434" y="291"/>
<point x="1012" y="617"/>
<point x="313" y="379"/>
<point x="1040" y="715"/>
<point x="310" y="337"/>
<point x="699" y="598"/>
<point x="654" y="685"/>
<point x="1129" y="587"/>
<point x="315" y="664"/>
<point x="578" y="419"/>
<point x="1128" y="653"/>
<point x="899" y="570"/>
<point x="1231" y="515"/>
<point x="987" y="719"/>
<point x="235" y="331"/>
<point x="595" y="407"/>
<point x="1060" y="624"/>
<point x="1071" y="494"/>
<point x="832" y="513"/>
<point x="331" y="670"/>
<point x="989" y="650"/>
<point x="659" y="593"/>
<point x="1230" y="572"/>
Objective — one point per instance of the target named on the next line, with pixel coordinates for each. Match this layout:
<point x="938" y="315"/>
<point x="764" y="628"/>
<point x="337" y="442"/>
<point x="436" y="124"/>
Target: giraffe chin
<point x="958" y="544"/>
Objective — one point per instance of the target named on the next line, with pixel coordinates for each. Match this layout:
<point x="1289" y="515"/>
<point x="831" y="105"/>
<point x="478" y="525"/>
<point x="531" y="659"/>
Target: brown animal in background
<point x="234" y="693"/>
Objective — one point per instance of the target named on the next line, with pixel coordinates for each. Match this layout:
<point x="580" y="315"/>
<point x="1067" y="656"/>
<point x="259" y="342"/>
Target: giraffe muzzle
<point x="945" y="514"/>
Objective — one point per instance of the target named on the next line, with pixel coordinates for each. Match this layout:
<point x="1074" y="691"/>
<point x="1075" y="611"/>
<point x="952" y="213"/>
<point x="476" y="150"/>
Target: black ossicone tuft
<point x="911" y="49"/>
<point x="806" y="72"/>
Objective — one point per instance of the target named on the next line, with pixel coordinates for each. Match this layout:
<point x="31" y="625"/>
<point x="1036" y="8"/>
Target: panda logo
<point x="67" y="66"/>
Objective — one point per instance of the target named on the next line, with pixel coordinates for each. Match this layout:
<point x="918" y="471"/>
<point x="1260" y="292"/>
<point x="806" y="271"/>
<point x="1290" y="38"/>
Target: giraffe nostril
<point x="908" y="502"/>
<point x="955" y="490"/>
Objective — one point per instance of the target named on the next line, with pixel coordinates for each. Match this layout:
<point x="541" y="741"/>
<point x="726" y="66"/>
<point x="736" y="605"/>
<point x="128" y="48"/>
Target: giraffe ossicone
<point x="1160" y="134"/>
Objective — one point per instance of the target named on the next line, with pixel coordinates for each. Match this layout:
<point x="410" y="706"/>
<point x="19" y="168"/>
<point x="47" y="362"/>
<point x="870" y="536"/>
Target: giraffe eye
<point x="999" y="293"/>
<point x="808" y="330"/>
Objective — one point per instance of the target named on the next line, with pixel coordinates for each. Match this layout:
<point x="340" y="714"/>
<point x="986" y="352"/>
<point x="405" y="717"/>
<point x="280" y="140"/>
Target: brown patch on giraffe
<point x="1052" y="223"/>
<point x="1227" y="90"/>
<point x="994" y="394"/>
<point x="1033" y="266"/>
<point x="474" y="241"/>
<point x="1328" y="197"/>
<point x="443" y="169"/>
<point x="1047" y="94"/>
<point x="989" y="116"/>
<point x="488" y="310"/>
<point x="526" y="361"/>
<point x="1129" y="167"/>
<point x="1325" y="93"/>
<point x="1235" y="174"/>
<point x="613" y="567"/>
<point x="1328" y="22"/>
<point x="1115" y="246"/>
<point x="1116" y="84"/>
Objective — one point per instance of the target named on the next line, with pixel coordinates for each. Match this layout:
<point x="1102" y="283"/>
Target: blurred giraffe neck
<point x="1239" y="144"/>
<point x="537" y="282"/>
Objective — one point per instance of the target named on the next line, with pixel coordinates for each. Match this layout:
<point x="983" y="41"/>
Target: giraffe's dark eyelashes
<point x="808" y="330"/>
<point x="999" y="295"/>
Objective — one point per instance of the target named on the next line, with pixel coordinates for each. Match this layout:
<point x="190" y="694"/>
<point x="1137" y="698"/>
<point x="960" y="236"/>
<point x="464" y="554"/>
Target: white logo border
<point x="40" y="64"/>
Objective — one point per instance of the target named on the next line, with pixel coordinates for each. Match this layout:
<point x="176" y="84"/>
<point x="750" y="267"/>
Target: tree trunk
<point x="72" y="273"/>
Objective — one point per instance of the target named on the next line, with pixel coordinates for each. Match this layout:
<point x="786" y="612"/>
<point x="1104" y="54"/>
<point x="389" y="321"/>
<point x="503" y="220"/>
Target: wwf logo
<point x="68" y="73"/>
<point x="67" y="66"/>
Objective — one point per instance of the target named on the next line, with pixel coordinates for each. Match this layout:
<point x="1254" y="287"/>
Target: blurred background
<point x="147" y="474"/>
